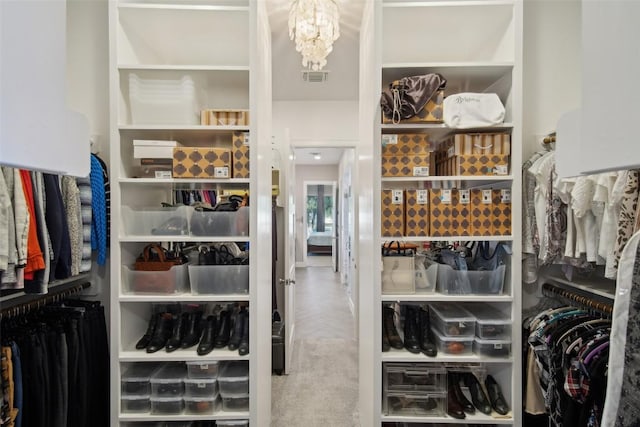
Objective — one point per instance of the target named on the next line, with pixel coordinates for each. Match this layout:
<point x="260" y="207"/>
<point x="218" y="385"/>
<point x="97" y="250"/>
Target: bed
<point x="319" y="242"/>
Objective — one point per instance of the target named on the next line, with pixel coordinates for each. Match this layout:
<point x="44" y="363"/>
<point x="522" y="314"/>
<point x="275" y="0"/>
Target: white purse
<point x="471" y="110"/>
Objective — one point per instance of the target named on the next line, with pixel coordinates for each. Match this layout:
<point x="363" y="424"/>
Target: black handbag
<point x="406" y="97"/>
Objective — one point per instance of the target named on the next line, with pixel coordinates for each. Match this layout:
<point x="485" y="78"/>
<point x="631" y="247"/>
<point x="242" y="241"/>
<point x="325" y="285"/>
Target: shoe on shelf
<point x="224" y="330"/>
<point x="498" y="403"/>
<point x="146" y="338"/>
<point x="192" y="330"/>
<point x="234" y="341"/>
<point x="243" y="347"/>
<point x="467" y="406"/>
<point x="427" y="342"/>
<point x="454" y="407"/>
<point x="179" y="323"/>
<point x="162" y="333"/>
<point x="392" y="332"/>
<point x="385" y="338"/>
<point x="478" y="396"/>
<point x="208" y="336"/>
<point x="411" y="341"/>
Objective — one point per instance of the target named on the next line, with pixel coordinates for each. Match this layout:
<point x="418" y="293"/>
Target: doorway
<point x="320" y="225"/>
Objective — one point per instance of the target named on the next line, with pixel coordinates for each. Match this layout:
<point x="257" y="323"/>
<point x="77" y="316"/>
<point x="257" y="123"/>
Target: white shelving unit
<point x="477" y="47"/>
<point x="220" y="44"/>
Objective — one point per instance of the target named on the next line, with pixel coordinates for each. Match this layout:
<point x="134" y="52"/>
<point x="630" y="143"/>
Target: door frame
<point x="334" y="185"/>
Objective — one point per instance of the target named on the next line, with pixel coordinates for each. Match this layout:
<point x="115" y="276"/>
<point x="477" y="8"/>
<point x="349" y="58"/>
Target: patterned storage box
<point x="474" y="165"/>
<point x="416" y="213"/>
<point x="406" y="144"/>
<point x="431" y="113"/>
<point x="461" y="212"/>
<point x="480" y="215"/>
<point x="211" y="117"/>
<point x="392" y="217"/>
<point x="408" y="165"/>
<point x="478" y="143"/>
<point x="201" y="162"/>
<point x="441" y="213"/>
<point x="501" y="212"/>
<point x="240" y="154"/>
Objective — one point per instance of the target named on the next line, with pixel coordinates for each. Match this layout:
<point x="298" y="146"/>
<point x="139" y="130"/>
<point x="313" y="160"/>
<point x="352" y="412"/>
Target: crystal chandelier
<point x="314" y="26"/>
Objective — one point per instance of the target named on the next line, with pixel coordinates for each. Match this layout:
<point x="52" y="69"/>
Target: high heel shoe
<point x="224" y="330"/>
<point x="193" y="330"/>
<point x="478" y="397"/>
<point x="179" y="323"/>
<point x="467" y="406"/>
<point x="454" y="407"/>
<point x="208" y="336"/>
<point x="161" y="333"/>
<point x="498" y="403"/>
<point x="146" y="338"/>
<point x="238" y="326"/>
<point x="243" y="347"/>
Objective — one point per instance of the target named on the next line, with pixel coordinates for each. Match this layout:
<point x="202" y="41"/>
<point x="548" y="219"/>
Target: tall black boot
<point x="427" y="342"/>
<point x="162" y="333"/>
<point x="411" y="341"/>
<point x="179" y="322"/>
<point x="224" y="329"/>
<point x="392" y="332"/>
<point x="243" y="348"/>
<point x="208" y="336"/>
<point x="193" y="330"/>
<point x="238" y="326"/>
<point x="146" y="338"/>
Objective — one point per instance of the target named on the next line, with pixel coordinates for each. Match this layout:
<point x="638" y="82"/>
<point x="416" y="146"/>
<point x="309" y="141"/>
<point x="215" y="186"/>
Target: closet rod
<point x="549" y="138"/>
<point x="27" y="302"/>
<point x="572" y="298"/>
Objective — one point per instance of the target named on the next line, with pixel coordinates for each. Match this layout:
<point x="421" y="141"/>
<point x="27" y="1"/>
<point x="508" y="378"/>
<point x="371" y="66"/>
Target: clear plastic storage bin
<point x="456" y="282"/>
<point x="413" y="377"/>
<point x="453" y="346"/>
<point x="201" y="405"/>
<point x="169" y="381"/>
<point x="232" y="423"/>
<point x="208" y="369"/>
<point x="220" y="223"/>
<point x="234" y="379"/>
<point x="492" y="348"/>
<point x="236" y="403"/>
<point x="167" y="405"/>
<point x="136" y="380"/>
<point x="156" y="221"/>
<point x="135" y="403"/>
<point x="415" y="403"/>
<point x="201" y="387"/>
<point x="219" y="279"/>
<point x="174" y="280"/>
<point x="452" y="320"/>
<point x="163" y="101"/>
<point x="491" y="324"/>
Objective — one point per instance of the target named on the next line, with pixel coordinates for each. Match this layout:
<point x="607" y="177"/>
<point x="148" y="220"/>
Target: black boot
<point x="385" y="339"/>
<point x="224" y="330"/>
<point x="238" y="326"/>
<point x="454" y="407"/>
<point x="392" y="332"/>
<point x="208" y="336"/>
<point x="243" y="348"/>
<point x="179" y="323"/>
<point x="478" y="397"/>
<point x="161" y="333"/>
<point x="146" y="338"/>
<point x="411" y="342"/>
<point x="467" y="406"/>
<point x="496" y="398"/>
<point x="192" y="330"/>
<point x="427" y="342"/>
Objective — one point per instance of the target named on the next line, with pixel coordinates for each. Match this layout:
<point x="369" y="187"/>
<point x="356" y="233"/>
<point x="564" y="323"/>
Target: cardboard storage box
<point x="416" y="213"/>
<point x="473" y="165"/>
<point x="480" y="215"/>
<point x="406" y="144"/>
<point x="214" y="117"/>
<point x="501" y="212"/>
<point x="201" y="162"/>
<point x="240" y="154"/>
<point x="431" y="113"/>
<point x="408" y="165"/>
<point x="460" y="220"/>
<point x="392" y="217"/>
<point x="478" y="143"/>
<point x="441" y="213"/>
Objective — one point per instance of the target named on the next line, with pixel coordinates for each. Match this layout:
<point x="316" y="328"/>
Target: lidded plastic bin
<point x="136" y="379"/>
<point x="414" y="377"/>
<point x="205" y="369"/>
<point x="455" y="345"/>
<point x="415" y="403"/>
<point x="168" y="381"/>
<point x="233" y="380"/>
<point x="167" y="405"/>
<point x="201" y="404"/>
<point x="490" y="323"/>
<point x="238" y="403"/>
<point x="492" y="348"/>
<point x="135" y="403"/>
<point x="219" y="279"/>
<point x="201" y="387"/>
<point x="451" y="319"/>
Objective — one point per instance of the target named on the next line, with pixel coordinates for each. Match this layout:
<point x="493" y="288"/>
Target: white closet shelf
<point x="190" y="128"/>
<point x="476" y="418"/>
<point x="183" y="297"/>
<point x="147" y="239"/>
<point x="179" y="181"/>
<point x="605" y="288"/>
<point x="462" y="182"/>
<point x="180" y="355"/>
<point x="448" y="239"/>
<point x="185" y="67"/>
<point x="445" y="3"/>
<point x="194" y="7"/>
<point x="445" y="297"/>
<point x="403" y="355"/>
<point x="220" y="415"/>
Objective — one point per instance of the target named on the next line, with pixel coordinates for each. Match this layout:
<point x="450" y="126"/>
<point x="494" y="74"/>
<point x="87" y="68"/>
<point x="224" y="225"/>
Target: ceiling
<point x="328" y="156"/>
<point x="342" y="63"/>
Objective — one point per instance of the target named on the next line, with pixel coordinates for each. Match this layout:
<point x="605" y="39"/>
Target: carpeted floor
<point x="322" y="387"/>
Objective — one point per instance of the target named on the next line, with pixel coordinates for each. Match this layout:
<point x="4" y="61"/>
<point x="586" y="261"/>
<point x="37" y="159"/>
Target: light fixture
<point x="314" y="26"/>
<point x="316" y="156"/>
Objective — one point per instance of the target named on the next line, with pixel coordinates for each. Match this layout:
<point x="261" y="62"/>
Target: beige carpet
<point x="322" y="387"/>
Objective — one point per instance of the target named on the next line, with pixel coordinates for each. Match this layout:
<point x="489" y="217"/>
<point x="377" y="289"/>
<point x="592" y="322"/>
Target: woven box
<point x="460" y="213"/>
<point x="441" y="213"/>
<point x="501" y="212"/>
<point x="474" y="165"/>
<point x="480" y="215"/>
<point x="201" y="162"/>
<point x="240" y="154"/>
<point x="416" y="213"/>
<point x="215" y="117"/>
<point x="408" y="165"/>
<point x="478" y="143"/>
<point x="392" y="218"/>
<point x="406" y="144"/>
<point x="431" y="113"/>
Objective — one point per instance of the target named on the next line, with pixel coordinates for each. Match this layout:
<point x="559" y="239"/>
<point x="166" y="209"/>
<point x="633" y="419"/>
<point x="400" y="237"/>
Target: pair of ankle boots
<point x="185" y="330"/>
<point x="457" y="403"/>
<point x="417" y="331"/>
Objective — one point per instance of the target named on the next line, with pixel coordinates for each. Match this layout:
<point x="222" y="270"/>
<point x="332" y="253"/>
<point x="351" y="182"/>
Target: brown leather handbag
<point x="155" y="258"/>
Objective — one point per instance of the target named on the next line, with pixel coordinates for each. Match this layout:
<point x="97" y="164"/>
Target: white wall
<point x="347" y="224"/>
<point x="552" y="66"/>
<point x="308" y="173"/>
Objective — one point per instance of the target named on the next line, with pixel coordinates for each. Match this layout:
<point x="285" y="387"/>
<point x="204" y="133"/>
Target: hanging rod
<point x="549" y="138"/>
<point x="574" y="298"/>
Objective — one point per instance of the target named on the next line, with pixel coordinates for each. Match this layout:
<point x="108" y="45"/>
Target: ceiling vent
<point x="315" y="76"/>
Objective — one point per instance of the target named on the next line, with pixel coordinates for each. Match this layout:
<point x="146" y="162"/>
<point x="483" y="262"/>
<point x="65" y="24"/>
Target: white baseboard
<point x="301" y="264"/>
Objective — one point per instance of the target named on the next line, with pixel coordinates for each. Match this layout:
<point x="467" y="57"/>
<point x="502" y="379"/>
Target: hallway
<point x="322" y="387"/>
